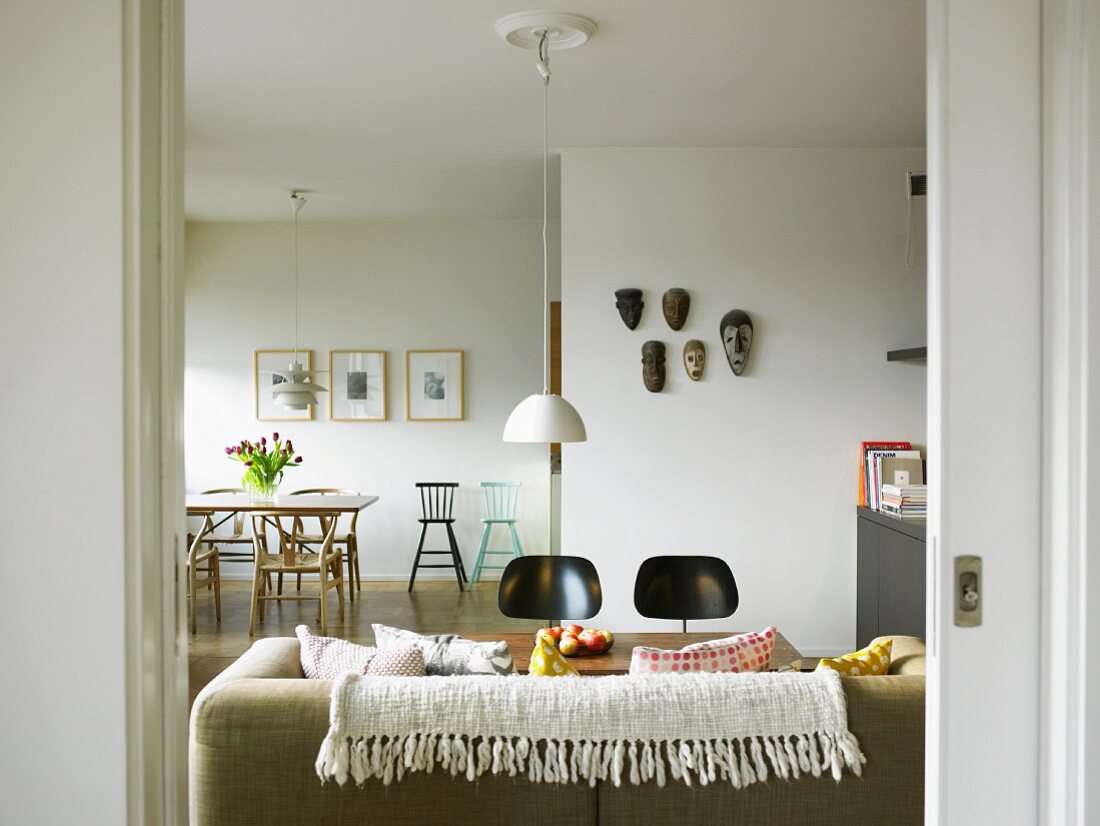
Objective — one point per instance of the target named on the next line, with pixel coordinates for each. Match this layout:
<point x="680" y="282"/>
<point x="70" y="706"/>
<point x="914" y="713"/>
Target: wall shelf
<point x="908" y="354"/>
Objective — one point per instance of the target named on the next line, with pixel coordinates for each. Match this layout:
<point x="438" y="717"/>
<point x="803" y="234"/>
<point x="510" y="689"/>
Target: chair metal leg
<point x="479" y="560"/>
<point x="456" y="558"/>
<point x="419" y="551"/>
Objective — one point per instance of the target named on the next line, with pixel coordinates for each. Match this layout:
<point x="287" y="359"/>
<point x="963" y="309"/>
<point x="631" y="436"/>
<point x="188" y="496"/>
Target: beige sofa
<point x="256" y="730"/>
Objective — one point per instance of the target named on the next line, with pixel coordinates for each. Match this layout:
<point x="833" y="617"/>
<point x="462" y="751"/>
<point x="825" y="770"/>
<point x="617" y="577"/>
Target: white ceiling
<point x="398" y="108"/>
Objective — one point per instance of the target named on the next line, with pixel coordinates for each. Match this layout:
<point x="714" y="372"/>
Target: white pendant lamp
<point x="545" y="417"/>
<point x="297" y="390"/>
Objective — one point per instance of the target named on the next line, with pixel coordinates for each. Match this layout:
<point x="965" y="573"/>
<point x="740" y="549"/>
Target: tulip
<point x="299" y="460"/>
<point x="228" y="450"/>
<point x="282" y="452"/>
<point x="248" y="464"/>
<point x="276" y="435"/>
<point x="263" y="440"/>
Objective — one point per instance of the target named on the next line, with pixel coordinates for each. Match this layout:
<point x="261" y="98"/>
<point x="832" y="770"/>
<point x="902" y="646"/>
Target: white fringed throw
<point x="733" y="728"/>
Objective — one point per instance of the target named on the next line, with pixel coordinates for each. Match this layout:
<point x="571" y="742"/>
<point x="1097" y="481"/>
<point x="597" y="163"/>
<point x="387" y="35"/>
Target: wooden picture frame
<point x="357" y="386"/>
<point x="264" y="361"/>
<point x="435" y="385"/>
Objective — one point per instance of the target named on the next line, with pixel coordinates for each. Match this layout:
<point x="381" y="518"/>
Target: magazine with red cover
<point x="864" y="483"/>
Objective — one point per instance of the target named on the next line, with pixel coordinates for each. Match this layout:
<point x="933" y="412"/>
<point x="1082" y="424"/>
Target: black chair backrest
<point x="685" y="588"/>
<point x="437" y="499"/>
<point x="549" y="588"/>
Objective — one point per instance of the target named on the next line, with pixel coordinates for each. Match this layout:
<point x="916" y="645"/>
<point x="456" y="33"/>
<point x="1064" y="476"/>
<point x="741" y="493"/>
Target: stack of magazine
<point x="887" y="463"/>
<point x="909" y="502"/>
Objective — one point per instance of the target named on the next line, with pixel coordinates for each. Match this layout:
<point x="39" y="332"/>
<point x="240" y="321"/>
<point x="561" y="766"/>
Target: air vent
<point x="918" y="184"/>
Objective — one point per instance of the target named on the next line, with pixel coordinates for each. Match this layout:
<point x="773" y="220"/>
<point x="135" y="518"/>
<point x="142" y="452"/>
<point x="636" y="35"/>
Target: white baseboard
<point x="228" y="573"/>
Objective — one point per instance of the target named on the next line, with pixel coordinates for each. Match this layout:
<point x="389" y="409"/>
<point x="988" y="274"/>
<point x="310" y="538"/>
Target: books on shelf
<point x="905" y="501"/>
<point x="887" y="462"/>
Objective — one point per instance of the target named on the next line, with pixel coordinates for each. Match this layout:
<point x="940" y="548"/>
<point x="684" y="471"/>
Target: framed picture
<point x="263" y="379"/>
<point x="358" y="389"/>
<point x="434" y="389"/>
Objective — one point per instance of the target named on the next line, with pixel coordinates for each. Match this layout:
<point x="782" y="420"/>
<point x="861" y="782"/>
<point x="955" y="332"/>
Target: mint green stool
<point x="500" y="509"/>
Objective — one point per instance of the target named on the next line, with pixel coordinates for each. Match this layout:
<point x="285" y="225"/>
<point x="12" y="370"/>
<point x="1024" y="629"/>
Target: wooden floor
<point x="434" y="607"/>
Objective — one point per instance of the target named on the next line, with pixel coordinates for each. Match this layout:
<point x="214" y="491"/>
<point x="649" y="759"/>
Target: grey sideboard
<point x="890" y="576"/>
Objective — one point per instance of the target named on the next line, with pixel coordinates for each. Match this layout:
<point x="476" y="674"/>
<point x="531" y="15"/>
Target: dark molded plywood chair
<point x="552" y="587"/>
<point x="685" y="588"/>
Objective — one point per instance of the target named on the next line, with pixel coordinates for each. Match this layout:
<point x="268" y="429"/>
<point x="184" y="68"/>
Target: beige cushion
<point x="908" y="655"/>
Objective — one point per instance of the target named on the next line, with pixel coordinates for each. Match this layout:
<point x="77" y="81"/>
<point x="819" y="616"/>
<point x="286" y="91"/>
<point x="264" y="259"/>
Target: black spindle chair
<point x="437" y="508"/>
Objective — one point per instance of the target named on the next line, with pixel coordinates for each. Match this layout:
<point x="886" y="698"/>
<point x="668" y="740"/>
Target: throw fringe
<point x="739" y="762"/>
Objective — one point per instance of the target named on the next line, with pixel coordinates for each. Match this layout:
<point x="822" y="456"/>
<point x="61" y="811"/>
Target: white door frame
<point x="1071" y="290"/>
<point x="156" y="657"/>
<point x="986" y="172"/>
<point x="984" y="410"/>
<point x="1013" y="744"/>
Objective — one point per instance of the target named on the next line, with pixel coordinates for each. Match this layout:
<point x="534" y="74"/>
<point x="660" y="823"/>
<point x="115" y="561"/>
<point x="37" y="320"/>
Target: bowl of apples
<point x="578" y="641"/>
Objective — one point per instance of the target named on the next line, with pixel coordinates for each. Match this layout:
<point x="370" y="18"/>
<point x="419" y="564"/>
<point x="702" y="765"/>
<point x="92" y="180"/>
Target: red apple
<point x="593" y="640"/>
<point x="575" y="629"/>
<point x="555" y="632"/>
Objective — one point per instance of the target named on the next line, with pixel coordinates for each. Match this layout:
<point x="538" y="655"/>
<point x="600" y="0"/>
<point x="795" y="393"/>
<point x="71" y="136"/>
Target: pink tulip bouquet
<point x="264" y="464"/>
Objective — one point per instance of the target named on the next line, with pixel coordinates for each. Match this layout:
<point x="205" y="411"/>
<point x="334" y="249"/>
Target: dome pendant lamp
<point x="545" y="417"/>
<point x="297" y="390"/>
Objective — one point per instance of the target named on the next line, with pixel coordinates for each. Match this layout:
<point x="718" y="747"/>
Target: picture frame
<point x="357" y="392"/>
<point x="263" y="363"/>
<point x="435" y="386"/>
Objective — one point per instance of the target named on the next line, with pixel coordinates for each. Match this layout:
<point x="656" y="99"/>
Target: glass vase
<point x="263" y="491"/>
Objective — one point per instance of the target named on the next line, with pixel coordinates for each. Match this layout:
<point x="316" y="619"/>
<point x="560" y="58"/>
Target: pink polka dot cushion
<point x="737" y="654"/>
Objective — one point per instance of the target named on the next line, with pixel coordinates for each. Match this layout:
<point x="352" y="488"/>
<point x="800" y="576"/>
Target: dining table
<point x="304" y="504"/>
<point x="293" y="505"/>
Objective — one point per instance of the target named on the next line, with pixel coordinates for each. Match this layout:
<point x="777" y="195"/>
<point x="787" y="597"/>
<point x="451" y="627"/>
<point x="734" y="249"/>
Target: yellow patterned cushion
<point x="871" y="661"/>
<point x="547" y="661"/>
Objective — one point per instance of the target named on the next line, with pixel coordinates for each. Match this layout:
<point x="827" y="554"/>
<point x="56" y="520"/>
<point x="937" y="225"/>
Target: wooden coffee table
<point x="617" y="660"/>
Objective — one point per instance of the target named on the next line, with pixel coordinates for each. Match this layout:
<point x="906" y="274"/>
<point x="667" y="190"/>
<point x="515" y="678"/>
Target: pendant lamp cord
<point x="294" y="197"/>
<point x="544" y="58"/>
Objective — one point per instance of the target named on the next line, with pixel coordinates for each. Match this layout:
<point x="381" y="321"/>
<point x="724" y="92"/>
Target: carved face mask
<point x="629" y="303"/>
<point x="695" y="357"/>
<point x="736" y="330"/>
<point x="676" y="303"/>
<point x="653" y="366"/>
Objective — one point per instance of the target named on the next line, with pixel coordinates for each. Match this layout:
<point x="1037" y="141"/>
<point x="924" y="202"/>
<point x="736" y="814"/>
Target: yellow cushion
<point x="547" y="661"/>
<point x="871" y="661"/>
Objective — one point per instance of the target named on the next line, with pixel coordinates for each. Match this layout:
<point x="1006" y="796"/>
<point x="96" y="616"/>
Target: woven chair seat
<point x="302" y="563"/>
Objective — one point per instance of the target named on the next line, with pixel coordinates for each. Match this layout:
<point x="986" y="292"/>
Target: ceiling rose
<point x="564" y="31"/>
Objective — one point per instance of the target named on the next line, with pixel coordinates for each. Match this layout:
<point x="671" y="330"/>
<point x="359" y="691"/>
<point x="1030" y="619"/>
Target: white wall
<point x="63" y="758"/>
<point x="758" y="469"/>
<point x="392" y="285"/>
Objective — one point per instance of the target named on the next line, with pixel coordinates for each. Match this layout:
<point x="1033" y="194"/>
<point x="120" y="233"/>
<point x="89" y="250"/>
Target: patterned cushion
<point x="743" y="652"/>
<point x="446" y="654"/>
<point x="547" y="660"/>
<point x="326" y="658"/>
<point x="868" y="662"/>
<point x="404" y="661"/>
